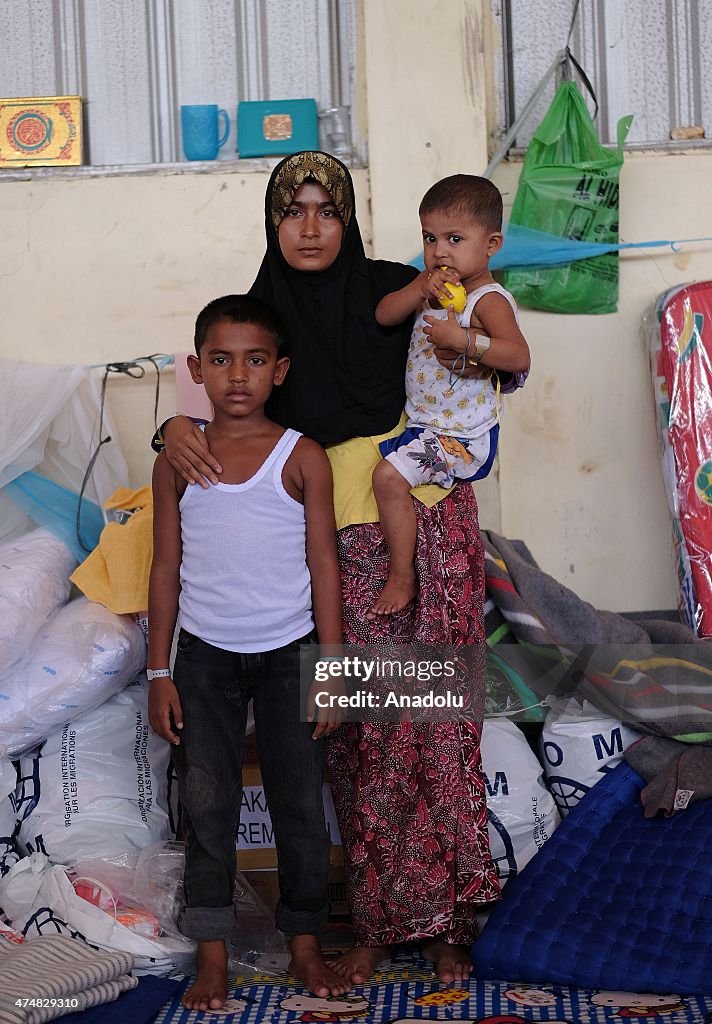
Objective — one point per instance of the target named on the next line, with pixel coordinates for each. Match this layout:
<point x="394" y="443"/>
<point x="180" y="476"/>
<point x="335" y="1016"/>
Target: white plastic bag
<point x="521" y="812"/>
<point x="39" y="899"/>
<point x="8" y="851"/>
<point x="34" y="583"/>
<point x="578" y="745"/>
<point x="50" y="425"/>
<point x="82" y="656"/>
<point x="99" y="786"/>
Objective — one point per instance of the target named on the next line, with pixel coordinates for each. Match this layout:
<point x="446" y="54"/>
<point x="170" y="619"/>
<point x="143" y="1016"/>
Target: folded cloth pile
<point x="55" y="975"/>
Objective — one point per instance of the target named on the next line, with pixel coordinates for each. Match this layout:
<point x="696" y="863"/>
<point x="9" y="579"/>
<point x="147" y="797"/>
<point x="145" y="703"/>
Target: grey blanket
<point x="652" y="674"/>
<point x="55" y="975"/>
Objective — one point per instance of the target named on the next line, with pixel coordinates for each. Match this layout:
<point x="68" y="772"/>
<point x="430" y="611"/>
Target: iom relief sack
<point x="578" y="745"/>
<point x="569" y="187"/>
<point x="81" y="657"/>
<point x="521" y="813"/>
<point x="98" y="787"/>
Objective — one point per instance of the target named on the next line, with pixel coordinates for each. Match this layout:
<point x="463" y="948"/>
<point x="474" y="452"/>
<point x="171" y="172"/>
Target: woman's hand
<point x="446" y="334"/>
<point x="188" y="453"/>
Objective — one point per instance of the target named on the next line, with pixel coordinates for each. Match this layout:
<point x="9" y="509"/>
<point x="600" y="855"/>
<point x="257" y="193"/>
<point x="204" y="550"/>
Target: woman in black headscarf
<point x="409" y="797"/>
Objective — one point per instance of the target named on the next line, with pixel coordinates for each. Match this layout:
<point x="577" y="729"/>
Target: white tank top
<point x="245" y="585"/>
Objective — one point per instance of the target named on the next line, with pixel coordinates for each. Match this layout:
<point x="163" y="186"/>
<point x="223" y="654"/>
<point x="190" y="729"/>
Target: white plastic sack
<point x="34" y="583"/>
<point x="8" y="816"/>
<point x="521" y="813"/>
<point x="99" y="786"/>
<point x="50" y="425"/>
<point x="83" y="655"/>
<point x="8" y="851"/>
<point x="39" y="899"/>
<point x="578" y="745"/>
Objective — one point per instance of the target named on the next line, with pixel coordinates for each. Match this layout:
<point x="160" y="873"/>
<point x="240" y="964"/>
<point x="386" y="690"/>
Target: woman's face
<point x="311" y="230"/>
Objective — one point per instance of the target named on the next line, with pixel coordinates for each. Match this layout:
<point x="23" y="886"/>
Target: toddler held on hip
<point x="453" y="416"/>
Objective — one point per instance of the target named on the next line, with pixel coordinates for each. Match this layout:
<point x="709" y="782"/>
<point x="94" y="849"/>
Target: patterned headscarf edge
<point x="317" y="167"/>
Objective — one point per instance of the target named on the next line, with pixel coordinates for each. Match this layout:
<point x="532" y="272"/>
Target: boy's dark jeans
<point x="215" y="687"/>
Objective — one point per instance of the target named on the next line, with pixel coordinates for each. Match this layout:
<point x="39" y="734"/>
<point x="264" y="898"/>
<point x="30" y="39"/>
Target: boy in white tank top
<point x="248" y="568"/>
<point x="453" y="414"/>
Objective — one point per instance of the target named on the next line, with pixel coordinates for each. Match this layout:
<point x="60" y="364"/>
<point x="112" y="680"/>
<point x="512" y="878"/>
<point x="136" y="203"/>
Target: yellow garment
<point x="352" y="463"/>
<point x="116" y="573"/>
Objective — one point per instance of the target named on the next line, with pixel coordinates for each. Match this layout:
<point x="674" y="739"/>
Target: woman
<point x="410" y="797"/>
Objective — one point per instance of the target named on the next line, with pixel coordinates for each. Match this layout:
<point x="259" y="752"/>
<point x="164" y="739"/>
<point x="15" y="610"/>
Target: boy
<point x="248" y="567"/>
<point x="453" y="417"/>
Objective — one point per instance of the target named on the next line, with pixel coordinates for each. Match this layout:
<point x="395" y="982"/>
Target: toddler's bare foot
<point x="209" y="990"/>
<point x="309" y="967"/>
<point x="397" y="593"/>
<point x="358" y="965"/>
<point x="452" y="963"/>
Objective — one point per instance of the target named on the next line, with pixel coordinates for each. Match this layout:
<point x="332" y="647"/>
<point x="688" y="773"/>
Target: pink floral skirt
<point x="410" y="797"/>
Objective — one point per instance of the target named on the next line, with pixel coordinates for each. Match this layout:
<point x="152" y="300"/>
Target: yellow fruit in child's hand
<point x="459" y="297"/>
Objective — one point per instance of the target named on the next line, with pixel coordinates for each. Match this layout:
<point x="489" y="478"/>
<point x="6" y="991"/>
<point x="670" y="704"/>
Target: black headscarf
<point x="346" y="375"/>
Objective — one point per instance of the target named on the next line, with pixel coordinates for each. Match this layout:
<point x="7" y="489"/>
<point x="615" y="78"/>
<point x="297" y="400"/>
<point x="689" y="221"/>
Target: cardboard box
<point x="41" y="131"/>
<point x="266" y="885"/>
<point x="255" y="838"/>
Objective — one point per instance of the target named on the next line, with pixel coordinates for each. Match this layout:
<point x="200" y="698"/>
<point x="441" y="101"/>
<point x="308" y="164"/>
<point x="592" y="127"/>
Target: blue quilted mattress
<point x="613" y="900"/>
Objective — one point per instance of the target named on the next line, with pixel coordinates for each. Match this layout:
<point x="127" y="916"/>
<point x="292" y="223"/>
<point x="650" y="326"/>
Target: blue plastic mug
<point x="200" y="130"/>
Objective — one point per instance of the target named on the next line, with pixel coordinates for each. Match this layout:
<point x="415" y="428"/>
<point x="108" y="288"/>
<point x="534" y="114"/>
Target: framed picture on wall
<point x="41" y="131"/>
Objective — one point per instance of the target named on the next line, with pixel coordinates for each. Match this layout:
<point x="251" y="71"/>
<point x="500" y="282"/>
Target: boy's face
<point x="238" y="365"/>
<point x="453" y="239"/>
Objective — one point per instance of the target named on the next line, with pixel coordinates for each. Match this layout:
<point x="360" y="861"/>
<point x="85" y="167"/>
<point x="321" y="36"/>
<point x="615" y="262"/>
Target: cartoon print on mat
<point x="638" y="1004"/>
<point x="234" y="1005"/>
<point x="325" y="1009"/>
<point x="505" y="1018"/>
<point x="442" y="997"/>
<point x="468" y="1020"/>
<point x="531" y="996"/>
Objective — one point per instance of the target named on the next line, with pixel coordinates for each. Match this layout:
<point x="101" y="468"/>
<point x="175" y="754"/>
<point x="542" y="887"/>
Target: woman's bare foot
<point x="309" y="967"/>
<point x="209" y="990"/>
<point x="452" y="963"/>
<point x="398" y="592"/>
<point x="357" y="966"/>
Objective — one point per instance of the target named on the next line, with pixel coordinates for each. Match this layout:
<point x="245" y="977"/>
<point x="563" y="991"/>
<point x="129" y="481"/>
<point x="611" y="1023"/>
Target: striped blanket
<point x="55" y="975"/>
<point x="652" y="674"/>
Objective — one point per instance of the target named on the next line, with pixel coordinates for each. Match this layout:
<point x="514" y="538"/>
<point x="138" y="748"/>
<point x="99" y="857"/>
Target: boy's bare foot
<point x="209" y="990"/>
<point x="309" y="967"/>
<point x="397" y="593"/>
<point x="357" y="966"/>
<point x="452" y="963"/>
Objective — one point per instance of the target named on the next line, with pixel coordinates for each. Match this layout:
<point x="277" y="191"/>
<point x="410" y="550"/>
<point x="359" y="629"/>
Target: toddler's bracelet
<point x="157" y="673"/>
<point x="482" y="343"/>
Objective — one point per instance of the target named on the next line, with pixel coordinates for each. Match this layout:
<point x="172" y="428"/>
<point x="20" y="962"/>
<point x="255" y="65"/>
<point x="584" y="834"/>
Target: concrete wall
<point x="580" y="473"/>
<point x="107" y="268"/>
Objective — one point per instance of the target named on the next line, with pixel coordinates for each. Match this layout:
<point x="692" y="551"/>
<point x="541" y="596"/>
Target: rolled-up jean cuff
<point x="208" y="924"/>
<point x="301" y="922"/>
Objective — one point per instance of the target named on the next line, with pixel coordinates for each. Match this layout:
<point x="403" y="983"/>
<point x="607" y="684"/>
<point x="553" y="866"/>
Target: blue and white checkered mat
<point x="407" y="992"/>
